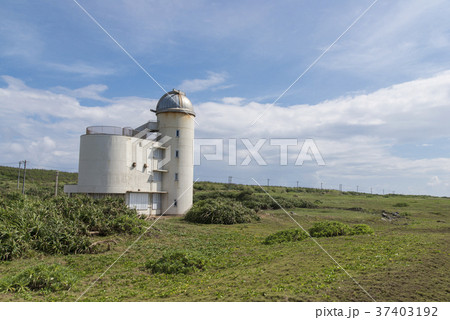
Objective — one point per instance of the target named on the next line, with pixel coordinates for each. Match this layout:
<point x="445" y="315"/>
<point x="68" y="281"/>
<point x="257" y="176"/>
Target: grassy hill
<point x="405" y="259"/>
<point x="38" y="182"/>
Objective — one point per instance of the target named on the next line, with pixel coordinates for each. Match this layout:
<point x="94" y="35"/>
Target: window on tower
<point x="157" y="176"/>
<point x="178" y="133"/>
<point x="158" y="153"/>
<point x="176" y="176"/>
<point x="176" y="153"/>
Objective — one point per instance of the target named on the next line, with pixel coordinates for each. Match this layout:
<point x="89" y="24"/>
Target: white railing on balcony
<point x="110" y="130"/>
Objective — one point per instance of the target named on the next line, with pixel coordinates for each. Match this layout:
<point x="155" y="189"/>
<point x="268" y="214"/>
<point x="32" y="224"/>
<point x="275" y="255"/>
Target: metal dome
<point x="175" y="101"/>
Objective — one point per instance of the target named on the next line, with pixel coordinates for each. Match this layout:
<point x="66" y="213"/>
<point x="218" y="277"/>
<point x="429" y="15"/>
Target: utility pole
<point x="370" y="190"/>
<point x="56" y="183"/>
<point x="18" y="177"/>
<point x="24" y="174"/>
<point x="383" y="191"/>
<point x="268" y="180"/>
<point x="357" y="188"/>
<point x="297" y="184"/>
<point x="230" y="178"/>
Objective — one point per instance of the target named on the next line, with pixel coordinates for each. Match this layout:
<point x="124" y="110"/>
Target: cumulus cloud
<point x="358" y="136"/>
<point x="355" y="134"/>
<point x="44" y="126"/>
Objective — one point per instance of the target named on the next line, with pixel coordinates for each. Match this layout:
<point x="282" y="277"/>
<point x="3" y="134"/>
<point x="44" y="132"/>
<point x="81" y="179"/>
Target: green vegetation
<point x="336" y="228"/>
<point x="40" y="278"/>
<point x="60" y="225"/>
<point x="220" y="211"/>
<point x="401" y="205"/>
<point x="286" y="236"/>
<point x="361" y="229"/>
<point x="235" y="263"/>
<point x="176" y="262"/>
<point x="248" y="198"/>
<point x="329" y="229"/>
<point x="319" y="229"/>
<point x="39" y="183"/>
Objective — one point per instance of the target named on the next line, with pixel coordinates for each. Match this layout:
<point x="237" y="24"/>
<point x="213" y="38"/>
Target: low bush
<point x="256" y="201"/>
<point x="286" y="236"/>
<point x="336" y="228"/>
<point x="401" y="205"/>
<point x="12" y="243"/>
<point x="264" y="202"/>
<point x="42" y="277"/>
<point x="177" y="262"/>
<point x="60" y="225"/>
<point x="361" y="229"/>
<point x="329" y="229"/>
<point x="220" y="211"/>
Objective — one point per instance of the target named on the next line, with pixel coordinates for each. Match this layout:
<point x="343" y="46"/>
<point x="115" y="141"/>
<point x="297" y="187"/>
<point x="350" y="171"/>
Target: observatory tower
<point x="151" y="167"/>
<point x="175" y="116"/>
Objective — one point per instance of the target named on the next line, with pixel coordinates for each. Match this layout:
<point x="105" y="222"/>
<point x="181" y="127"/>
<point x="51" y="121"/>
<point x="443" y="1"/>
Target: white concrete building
<point x="150" y="166"/>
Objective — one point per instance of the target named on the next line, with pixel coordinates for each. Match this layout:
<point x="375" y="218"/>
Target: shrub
<point x="12" y="243"/>
<point x="361" y="229"/>
<point x="176" y="262"/>
<point x="264" y="202"/>
<point x="255" y="201"/>
<point x="286" y="236"/>
<point x="220" y="211"/>
<point x="60" y="225"/>
<point x="42" y="277"/>
<point x="329" y="229"/>
<point x="401" y="205"/>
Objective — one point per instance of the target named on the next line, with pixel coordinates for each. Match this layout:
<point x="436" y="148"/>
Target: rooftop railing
<point x="129" y="132"/>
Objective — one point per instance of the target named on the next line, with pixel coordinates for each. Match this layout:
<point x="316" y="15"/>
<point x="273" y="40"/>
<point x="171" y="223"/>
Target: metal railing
<point x="111" y="130"/>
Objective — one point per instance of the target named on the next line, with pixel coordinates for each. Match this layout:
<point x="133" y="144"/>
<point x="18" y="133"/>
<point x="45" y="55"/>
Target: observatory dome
<point x="175" y="101"/>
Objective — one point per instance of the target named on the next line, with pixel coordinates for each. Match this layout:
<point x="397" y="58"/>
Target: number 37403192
<point x="407" y="311"/>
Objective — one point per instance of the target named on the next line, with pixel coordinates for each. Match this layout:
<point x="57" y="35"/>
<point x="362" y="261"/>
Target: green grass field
<point x="406" y="259"/>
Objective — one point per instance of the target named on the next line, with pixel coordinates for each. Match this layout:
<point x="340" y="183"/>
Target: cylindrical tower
<point x="175" y="116"/>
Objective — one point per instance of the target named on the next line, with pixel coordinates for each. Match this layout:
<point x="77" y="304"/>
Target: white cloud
<point x="400" y="35"/>
<point x="82" y="69"/>
<point x="19" y="39"/>
<point x="92" y="91"/>
<point x="44" y="126"/>
<point x="356" y="135"/>
<point x="233" y="100"/>
<point x="212" y="81"/>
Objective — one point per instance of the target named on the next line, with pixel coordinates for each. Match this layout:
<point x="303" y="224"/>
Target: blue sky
<point x="376" y="104"/>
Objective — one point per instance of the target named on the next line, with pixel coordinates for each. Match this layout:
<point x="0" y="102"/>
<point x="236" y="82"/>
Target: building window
<point x="177" y="153"/>
<point x="175" y="203"/>
<point x="158" y="153"/>
<point x="157" y="176"/>
<point x="178" y="133"/>
<point x="176" y="176"/>
<point x="156" y="201"/>
<point x="138" y="201"/>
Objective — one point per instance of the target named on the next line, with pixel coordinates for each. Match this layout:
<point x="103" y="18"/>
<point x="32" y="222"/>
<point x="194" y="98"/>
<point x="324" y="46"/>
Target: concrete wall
<point x="116" y="164"/>
<point x="106" y="165"/>
<point x="169" y="123"/>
